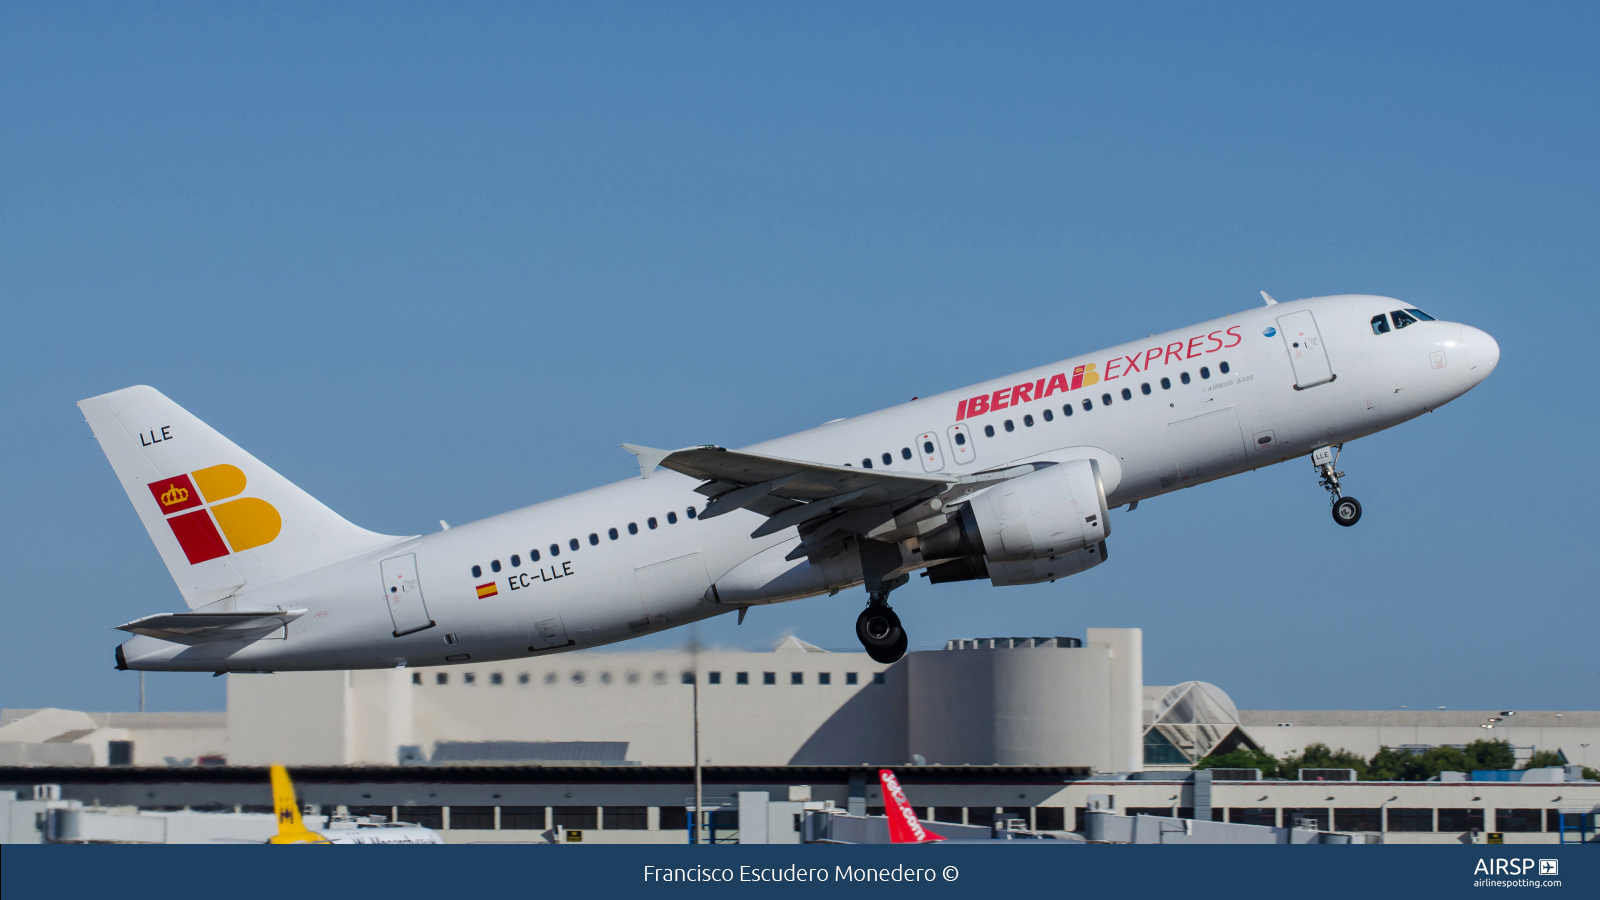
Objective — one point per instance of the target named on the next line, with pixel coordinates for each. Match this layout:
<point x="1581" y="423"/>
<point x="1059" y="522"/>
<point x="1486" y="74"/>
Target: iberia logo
<point x="244" y="523"/>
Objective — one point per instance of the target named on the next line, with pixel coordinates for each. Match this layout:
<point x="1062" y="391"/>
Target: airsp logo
<point x="1515" y="867"/>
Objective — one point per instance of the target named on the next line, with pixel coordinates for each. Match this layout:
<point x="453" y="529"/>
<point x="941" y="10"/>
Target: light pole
<point x="694" y="681"/>
<point x="1377" y="731"/>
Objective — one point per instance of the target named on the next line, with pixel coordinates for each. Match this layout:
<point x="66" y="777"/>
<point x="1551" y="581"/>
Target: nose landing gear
<point x="879" y="628"/>
<point x="1346" y="510"/>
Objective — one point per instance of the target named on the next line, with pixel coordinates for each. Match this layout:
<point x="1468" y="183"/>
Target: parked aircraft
<point x="339" y="830"/>
<point x="904" y="825"/>
<point x="1011" y="480"/>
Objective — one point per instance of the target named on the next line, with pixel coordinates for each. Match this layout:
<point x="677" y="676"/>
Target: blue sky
<point x="436" y="263"/>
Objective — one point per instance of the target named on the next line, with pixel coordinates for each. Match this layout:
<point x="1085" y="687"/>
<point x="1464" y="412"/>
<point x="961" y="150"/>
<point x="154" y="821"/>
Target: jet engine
<point x="1045" y="525"/>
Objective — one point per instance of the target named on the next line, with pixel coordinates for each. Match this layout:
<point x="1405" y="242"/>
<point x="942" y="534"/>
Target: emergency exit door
<point x="403" y="592"/>
<point x="1306" y="351"/>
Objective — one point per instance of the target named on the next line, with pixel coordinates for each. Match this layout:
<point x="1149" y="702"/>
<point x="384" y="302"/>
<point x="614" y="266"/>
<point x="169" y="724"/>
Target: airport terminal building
<point x="1037" y="729"/>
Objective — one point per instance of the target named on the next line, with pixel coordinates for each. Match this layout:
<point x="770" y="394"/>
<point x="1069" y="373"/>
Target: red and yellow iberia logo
<point x="245" y="523"/>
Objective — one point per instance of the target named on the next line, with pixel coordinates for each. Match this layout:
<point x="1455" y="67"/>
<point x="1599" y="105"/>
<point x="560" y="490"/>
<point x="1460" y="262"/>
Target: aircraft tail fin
<point x="291" y="829"/>
<point x="904" y="826"/>
<point x="220" y="518"/>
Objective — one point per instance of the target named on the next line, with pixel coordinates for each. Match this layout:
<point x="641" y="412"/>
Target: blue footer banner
<point x="1056" y="868"/>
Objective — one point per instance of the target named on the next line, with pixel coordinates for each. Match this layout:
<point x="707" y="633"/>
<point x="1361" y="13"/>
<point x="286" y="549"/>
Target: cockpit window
<point x="1402" y="318"/>
<point x="1421" y="315"/>
<point x="1380" y="324"/>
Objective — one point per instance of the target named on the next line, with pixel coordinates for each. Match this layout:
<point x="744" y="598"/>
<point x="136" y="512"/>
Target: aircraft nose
<point x="1483" y="351"/>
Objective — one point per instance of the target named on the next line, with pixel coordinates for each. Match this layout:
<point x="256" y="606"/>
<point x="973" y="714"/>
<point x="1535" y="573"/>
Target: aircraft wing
<point x="826" y="502"/>
<point x="203" y="628"/>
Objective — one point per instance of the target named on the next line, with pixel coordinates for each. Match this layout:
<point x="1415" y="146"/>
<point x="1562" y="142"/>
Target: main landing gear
<point x="879" y="628"/>
<point x="1346" y="510"/>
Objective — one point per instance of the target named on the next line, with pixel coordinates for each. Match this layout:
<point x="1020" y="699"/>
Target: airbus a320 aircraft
<point x="1011" y="480"/>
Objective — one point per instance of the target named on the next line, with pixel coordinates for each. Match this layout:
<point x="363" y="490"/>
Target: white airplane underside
<point x="1010" y="480"/>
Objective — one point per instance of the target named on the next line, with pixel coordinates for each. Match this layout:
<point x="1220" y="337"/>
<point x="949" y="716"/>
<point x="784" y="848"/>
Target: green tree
<point x="1242" y="758"/>
<point x="1320" y="756"/>
<point x="1490" y="755"/>
<point x="1390" y="764"/>
<point x="1544" y="758"/>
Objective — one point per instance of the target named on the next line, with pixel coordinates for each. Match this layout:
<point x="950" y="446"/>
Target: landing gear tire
<point x="880" y="633"/>
<point x="1346" y="511"/>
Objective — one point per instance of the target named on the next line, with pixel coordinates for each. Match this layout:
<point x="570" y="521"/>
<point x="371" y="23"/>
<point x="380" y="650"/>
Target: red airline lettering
<point x="1057" y="383"/>
<point x="1213" y="337"/>
<point x="1171" y="353"/>
<point x="961" y="410"/>
<point x="977" y="406"/>
<point x="1192" y="340"/>
<point x="1236" y="338"/>
<point x="1000" y="400"/>
<point x="1133" y="363"/>
<point x="1021" y="394"/>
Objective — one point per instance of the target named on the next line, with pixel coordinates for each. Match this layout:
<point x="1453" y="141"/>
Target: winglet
<point x="1268" y="297"/>
<point x="291" y="829"/>
<point x="649" y="457"/>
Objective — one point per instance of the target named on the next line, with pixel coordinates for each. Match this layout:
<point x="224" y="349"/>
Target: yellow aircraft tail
<point x="291" y="830"/>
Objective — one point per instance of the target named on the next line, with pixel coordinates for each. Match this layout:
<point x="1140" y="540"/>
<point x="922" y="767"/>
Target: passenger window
<point x="927" y="447"/>
<point x="961" y="440"/>
<point x="1205" y="372"/>
<point x="1222" y="367"/>
<point x="555" y="549"/>
<point x="612" y="533"/>
<point x="533" y="556"/>
<point x="1184" y="377"/>
<point x="594" y="539"/>
<point x="1066" y="410"/>
<point x="888" y="460"/>
<point x="1105" y="399"/>
<point x="1166" y="384"/>
<point x="905" y="452"/>
<point x="1049" y="416"/>
<point x="1402" y="319"/>
<point x="1010" y="426"/>
<point x="1421" y="315"/>
<point x="1087" y="404"/>
<point x="494" y="565"/>
<point x="633" y="527"/>
<point x="1145" y="388"/>
<point x="516" y="561"/>
<point x="651" y="522"/>
<point x="573" y="543"/>
<point x="988" y="431"/>
<point x="672" y="518"/>
<point x="1380" y="324"/>
<point x="866" y="464"/>
<point x="1028" y="421"/>
<point x="1127" y="394"/>
<point x="689" y="512"/>
<point x="477" y="571"/>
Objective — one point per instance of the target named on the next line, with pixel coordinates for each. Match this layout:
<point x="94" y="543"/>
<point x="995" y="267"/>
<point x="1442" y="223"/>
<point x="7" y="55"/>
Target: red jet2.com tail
<point x="904" y="827"/>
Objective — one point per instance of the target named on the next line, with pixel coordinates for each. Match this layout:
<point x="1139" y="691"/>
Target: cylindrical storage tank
<point x="1035" y="706"/>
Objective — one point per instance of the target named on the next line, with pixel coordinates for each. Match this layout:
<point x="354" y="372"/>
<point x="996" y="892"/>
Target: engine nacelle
<point x="1052" y="512"/>
<point x="1029" y="571"/>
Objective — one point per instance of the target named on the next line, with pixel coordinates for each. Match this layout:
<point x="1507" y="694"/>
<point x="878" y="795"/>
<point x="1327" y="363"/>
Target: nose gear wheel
<point x="1346" y="510"/>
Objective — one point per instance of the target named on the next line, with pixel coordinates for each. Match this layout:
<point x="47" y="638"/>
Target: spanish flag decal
<point x="487" y="590"/>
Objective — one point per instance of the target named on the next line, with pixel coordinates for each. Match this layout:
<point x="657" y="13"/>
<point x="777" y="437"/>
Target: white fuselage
<point x="1237" y="409"/>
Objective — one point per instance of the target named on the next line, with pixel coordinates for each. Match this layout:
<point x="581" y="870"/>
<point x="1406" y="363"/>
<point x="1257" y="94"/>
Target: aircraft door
<point x="961" y="445"/>
<point x="928" y="448"/>
<point x="1307" y="353"/>
<point x="1207" y="446"/>
<point x="403" y="592"/>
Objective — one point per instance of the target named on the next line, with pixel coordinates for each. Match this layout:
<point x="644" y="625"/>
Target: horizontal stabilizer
<point x="203" y="628"/>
